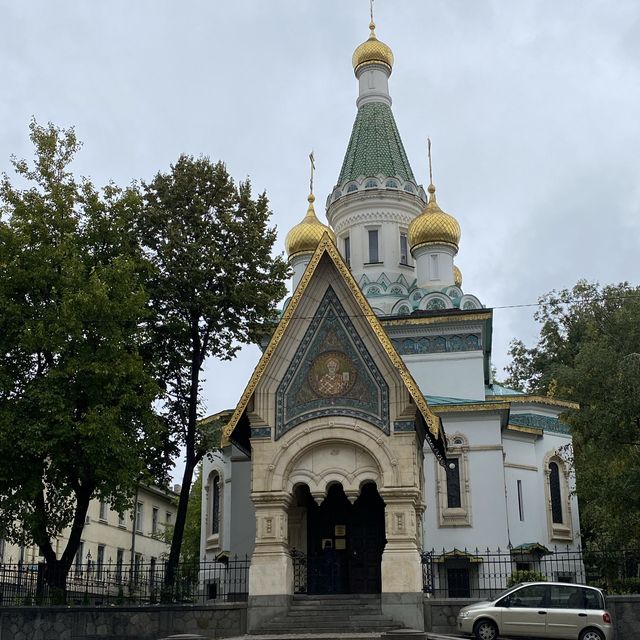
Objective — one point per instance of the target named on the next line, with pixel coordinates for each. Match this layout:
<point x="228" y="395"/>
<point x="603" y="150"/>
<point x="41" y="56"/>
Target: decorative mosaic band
<point x="547" y="423"/>
<point x="437" y="344"/>
<point x="260" y="432"/>
<point x="404" y="425"/>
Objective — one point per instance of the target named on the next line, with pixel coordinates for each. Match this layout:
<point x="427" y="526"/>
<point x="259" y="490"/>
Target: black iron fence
<point x="142" y="583"/>
<point x="481" y="574"/>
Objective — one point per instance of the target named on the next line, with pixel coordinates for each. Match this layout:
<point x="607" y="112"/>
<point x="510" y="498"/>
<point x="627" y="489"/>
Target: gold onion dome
<point x="372" y="51"/>
<point x="457" y="276"/>
<point x="305" y="237"/>
<point x="433" y="226"/>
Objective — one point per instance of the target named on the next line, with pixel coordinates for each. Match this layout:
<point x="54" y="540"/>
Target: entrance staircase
<point x="330" y="615"/>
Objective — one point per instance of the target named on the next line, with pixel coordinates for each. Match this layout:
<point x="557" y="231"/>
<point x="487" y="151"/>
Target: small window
<point x="374" y="256"/>
<point x="347" y="250"/>
<point x="154" y="520"/>
<point x="371" y="184"/>
<point x="122" y="520"/>
<point x="391" y="184"/>
<point x="352" y="187"/>
<point x="119" y="564"/>
<point x="520" y="502"/>
<point x="167" y="518"/>
<point x="100" y="561"/>
<point x="404" y="252"/>
<point x="103" y="510"/>
<point x="409" y="188"/>
<point x="139" y="516"/>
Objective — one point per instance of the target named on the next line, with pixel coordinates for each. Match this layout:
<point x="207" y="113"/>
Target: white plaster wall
<point x="242" y="532"/>
<point x="455" y="375"/>
<point x="486" y="476"/>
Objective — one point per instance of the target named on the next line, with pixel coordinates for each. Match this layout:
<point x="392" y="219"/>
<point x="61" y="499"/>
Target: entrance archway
<point x="344" y="541"/>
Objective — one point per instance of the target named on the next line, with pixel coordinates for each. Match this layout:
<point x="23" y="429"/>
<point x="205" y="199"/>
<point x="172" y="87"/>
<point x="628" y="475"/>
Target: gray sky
<point x="533" y="108"/>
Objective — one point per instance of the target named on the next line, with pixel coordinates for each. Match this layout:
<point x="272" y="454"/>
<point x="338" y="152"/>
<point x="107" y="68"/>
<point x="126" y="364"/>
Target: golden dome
<point x="304" y="237"/>
<point x="372" y="51"/>
<point x="433" y="226"/>
<point x="457" y="276"/>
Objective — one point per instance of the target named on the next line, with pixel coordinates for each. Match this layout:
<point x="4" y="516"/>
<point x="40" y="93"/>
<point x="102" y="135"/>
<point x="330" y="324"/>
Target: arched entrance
<point x="344" y="540"/>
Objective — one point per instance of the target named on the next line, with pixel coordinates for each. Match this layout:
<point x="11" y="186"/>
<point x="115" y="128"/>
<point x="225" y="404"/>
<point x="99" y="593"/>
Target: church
<point x="371" y="430"/>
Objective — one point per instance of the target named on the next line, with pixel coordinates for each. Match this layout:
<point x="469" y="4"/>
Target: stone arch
<point x="350" y="454"/>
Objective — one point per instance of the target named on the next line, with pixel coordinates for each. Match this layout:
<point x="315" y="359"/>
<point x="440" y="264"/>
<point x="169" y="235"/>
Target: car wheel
<point x="591" y="634"/>
<point x="487" y="630"/>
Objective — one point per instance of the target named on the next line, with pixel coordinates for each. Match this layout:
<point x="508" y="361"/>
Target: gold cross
<point x="313" y="166"/>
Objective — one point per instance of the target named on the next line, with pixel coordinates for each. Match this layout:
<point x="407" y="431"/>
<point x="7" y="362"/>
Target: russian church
<point x="371" y="430"/>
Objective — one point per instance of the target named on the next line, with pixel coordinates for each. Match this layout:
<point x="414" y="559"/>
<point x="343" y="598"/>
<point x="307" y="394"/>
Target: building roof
<point x="236" y="430"/>
<point x="375" y="147"/>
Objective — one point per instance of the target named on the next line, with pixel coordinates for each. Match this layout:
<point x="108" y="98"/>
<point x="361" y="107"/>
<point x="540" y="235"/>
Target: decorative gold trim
<point x="459" y="408"/>
<point x="532" y="430"/>
<point x="327" y="246"/>
<point x="472" y="317"/>
<point x="554" y="402"/>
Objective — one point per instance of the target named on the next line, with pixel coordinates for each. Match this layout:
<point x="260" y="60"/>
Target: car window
<point x="530" y="597"/>
<point x="569" y="597"/>
<point x="593" y="599"/>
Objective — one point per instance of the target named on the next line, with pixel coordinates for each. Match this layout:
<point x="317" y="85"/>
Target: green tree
<point x="589" y="352"/>
<point x="76" y="419"/>
<point x="214" y="287"/>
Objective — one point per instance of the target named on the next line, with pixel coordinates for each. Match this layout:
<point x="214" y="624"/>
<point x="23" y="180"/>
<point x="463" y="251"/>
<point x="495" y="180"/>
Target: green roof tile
<point x="375" y="146"/>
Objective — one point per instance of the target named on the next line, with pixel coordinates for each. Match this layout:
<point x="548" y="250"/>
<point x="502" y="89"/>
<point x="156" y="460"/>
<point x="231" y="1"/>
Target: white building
<point x="378" y="353"/>
<point x="109" y="540"/>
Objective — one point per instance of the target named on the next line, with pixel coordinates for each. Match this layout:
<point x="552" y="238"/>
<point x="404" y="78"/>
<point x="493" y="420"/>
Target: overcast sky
<point x="532" y="106"/>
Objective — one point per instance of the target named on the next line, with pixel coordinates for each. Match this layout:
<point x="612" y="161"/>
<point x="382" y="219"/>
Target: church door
<point x="345" y="542"/>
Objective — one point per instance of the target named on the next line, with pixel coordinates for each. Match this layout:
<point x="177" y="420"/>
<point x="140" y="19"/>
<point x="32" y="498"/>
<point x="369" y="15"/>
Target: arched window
<point x="453" y="485"/>
<point x="557" y="497"/>
<point x="215" y="505"/>
<point x="371" y="184"/>
<point x="556" y="493"/>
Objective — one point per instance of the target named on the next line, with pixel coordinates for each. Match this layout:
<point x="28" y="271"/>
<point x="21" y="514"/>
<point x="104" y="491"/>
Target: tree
<point x="214" y="287"/>
<point x="76" y="419"/>
<point x="589" y="352"/>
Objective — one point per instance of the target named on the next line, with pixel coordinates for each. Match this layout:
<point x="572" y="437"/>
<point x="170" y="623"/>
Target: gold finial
<point x="312" y="160"/>
<point x="431" y="188"/>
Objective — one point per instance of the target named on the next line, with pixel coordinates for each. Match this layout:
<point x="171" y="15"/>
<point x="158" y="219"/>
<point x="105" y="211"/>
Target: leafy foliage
<point x="214" y="287"/>
<point x="589" y="352"/>
<point x="525" y="575"/>
<point x="76" y="419"/>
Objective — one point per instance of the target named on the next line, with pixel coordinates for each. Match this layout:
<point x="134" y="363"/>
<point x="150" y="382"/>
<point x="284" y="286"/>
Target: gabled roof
<point x="434" y="430"/>
<point x="375" y="147"/>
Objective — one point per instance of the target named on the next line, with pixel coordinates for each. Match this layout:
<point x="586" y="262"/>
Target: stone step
<point x="322" y="625"/>
<point x="311" y="611"/>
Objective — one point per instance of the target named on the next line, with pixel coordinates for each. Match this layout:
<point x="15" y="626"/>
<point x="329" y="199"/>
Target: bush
<point x="525" y="575"/>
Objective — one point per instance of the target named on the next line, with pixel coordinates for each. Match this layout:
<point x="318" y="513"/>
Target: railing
<point x="97" y="584"/>
<point x="480" y="574"/>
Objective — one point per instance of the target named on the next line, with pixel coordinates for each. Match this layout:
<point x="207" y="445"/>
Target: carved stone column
<point x="271" y="570"/>
<point x="401" y="562"/>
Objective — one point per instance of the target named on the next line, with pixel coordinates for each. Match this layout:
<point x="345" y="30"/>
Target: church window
<point x="352" y="187"/>
<point x="404" y="311"/>
<point x="391" y="184"/>
<point x="409" y="188"/>
<point x="453" y="484"/>
<point x="433" y="263"/>
<point x="556" y="494"/>
<point x="347" y="250"/>
<point x="215" y="505"/>
<point x="435" y="303"/>
<point x="374" y="255"/>
<point x="404" y="252"/>
<point x="371" y="184"/>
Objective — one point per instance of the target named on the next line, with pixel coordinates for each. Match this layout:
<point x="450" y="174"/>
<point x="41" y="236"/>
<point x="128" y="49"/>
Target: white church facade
<point x="371" y="430"/>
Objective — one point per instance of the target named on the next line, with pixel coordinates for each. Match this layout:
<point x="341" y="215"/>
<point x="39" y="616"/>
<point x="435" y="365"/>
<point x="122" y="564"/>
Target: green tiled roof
<point x="496" y="389"/>
<point x="375" y="146"/>
<point x="541" y="422"/>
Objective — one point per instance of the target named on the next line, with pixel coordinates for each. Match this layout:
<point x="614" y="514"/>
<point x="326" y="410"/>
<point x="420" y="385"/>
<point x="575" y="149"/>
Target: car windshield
<point x="502" y="594"/>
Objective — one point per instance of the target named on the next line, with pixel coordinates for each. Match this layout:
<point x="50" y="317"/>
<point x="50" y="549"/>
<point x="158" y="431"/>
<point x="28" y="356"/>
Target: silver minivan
<point x="540" y="610"/>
